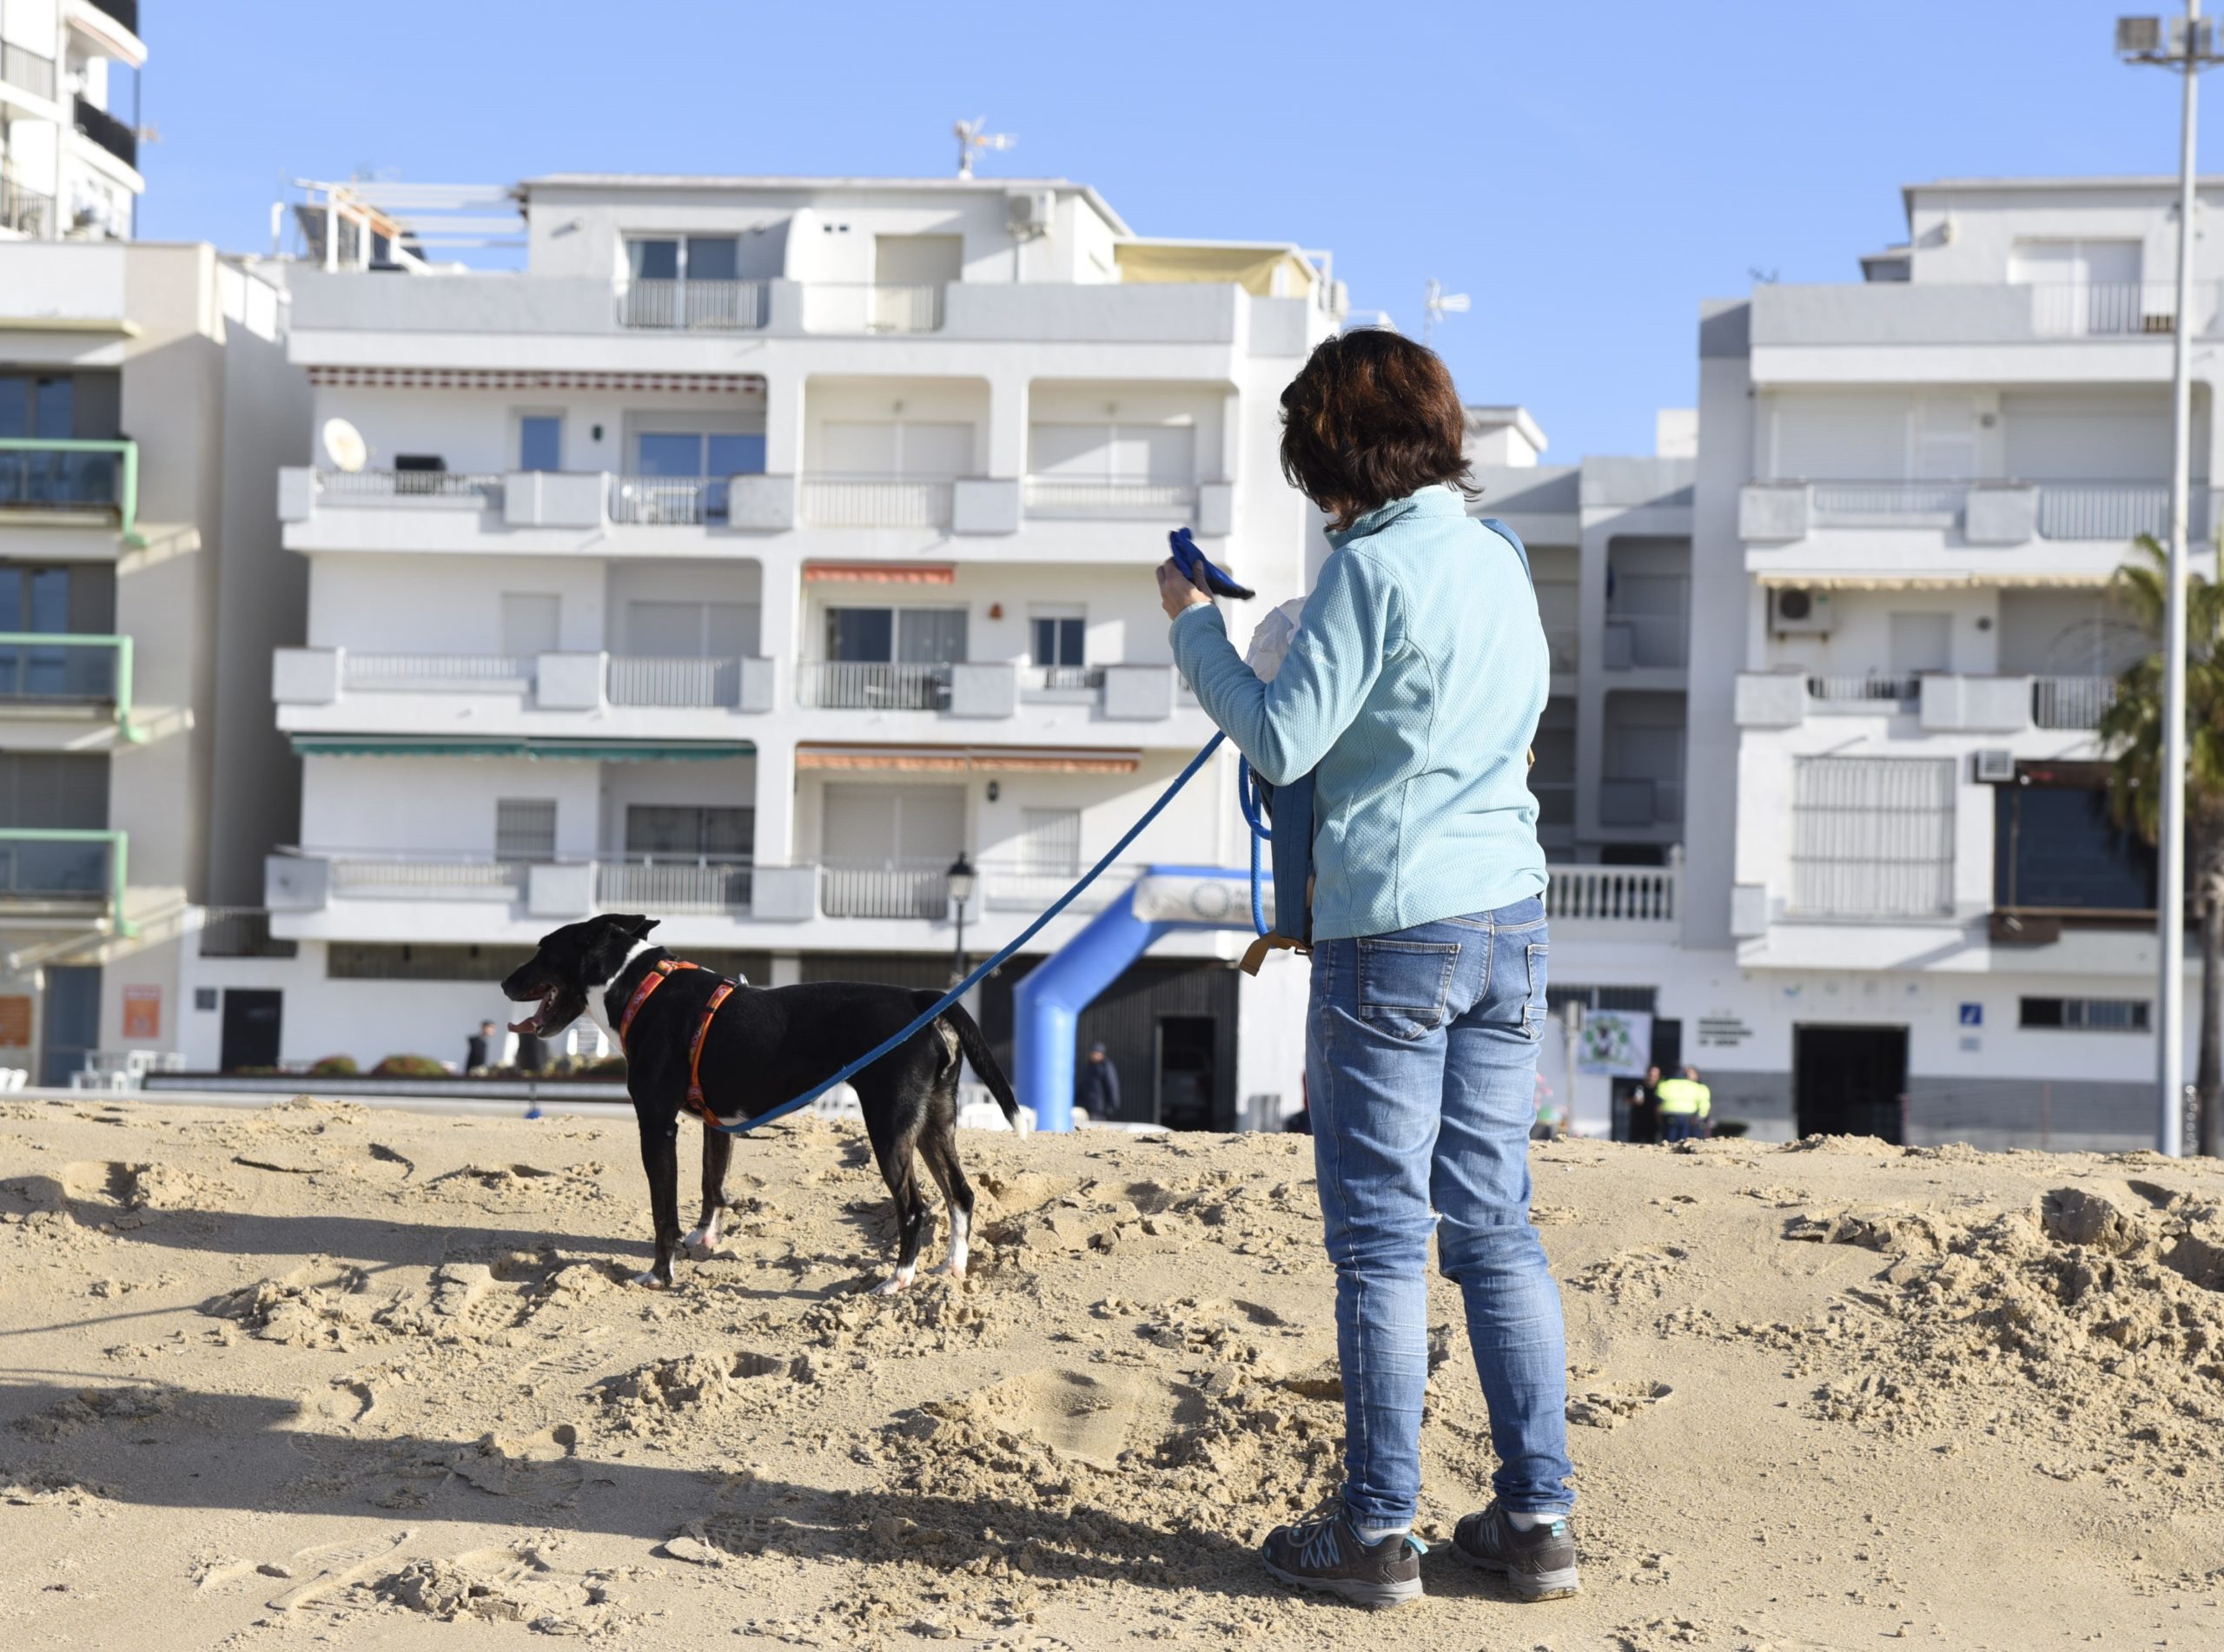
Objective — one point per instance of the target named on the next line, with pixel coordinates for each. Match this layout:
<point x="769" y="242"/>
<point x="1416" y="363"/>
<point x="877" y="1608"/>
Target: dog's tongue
<point x="529" y="1024"/>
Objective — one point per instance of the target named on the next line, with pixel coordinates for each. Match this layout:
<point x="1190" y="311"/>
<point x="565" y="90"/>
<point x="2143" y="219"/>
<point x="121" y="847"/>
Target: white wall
<point x="477" y="431"/>
<point x="434" y="806"/>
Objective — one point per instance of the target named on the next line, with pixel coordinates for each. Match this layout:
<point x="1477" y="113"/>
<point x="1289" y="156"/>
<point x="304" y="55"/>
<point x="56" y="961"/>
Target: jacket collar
<point x="1434" y="500"/>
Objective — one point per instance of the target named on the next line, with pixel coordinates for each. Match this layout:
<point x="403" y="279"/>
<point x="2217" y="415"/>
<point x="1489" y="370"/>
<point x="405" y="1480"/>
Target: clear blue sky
<point x="1587" y="172"/>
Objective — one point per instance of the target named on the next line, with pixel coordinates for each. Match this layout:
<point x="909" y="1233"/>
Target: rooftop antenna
<point x="971" y="139"/>
<point x="1436" y="304"/>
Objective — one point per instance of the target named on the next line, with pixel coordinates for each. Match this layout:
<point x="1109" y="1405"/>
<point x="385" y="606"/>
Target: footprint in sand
<point x="1085" y="1415"/>
<point x="1611" y="1404"/>
<point x="333" y="1567"/>
<point x="539" y="1468"/>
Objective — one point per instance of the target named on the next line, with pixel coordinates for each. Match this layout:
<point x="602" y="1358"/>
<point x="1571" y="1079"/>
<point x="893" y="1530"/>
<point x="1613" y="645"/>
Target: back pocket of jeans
<point x="1535" y="1012"/>
<point x="1403" y="985"/>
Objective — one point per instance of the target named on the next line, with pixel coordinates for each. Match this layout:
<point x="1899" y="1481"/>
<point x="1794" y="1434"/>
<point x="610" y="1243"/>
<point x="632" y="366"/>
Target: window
<point x="2055" y="848"/>
<point x="1873" y="837"/>
<point x="909" y="635"/>
<point x="699" y="453"/>
<point x="917" y="827"/>
<point x="36" y="405"/>
<point x="1632" y="1000"/>
<point x="1060" y="639"/>
<point x="918" y="449"/>
<point x="540" y="442"/>
<point x="2086" y="1015"/>
<point x="524" y="829"/>
<point x="690" y="258"/>
<point x="1165" y="454"/>
<point x="691" y="832"/>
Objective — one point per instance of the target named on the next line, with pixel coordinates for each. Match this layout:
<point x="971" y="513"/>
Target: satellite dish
<point x="344" y="446"/>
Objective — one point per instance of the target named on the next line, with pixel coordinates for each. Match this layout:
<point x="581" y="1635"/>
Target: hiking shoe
<point x="1323" y="1551"/>
<point x="1540" y="1563"/>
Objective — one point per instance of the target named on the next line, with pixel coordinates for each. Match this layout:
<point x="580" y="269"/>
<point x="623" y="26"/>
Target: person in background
<point x="1098" y="1092"/>
<point x="1684" y="1104"/>
<point x="1645" y="1108"/>
<point x="480" y="1048"/>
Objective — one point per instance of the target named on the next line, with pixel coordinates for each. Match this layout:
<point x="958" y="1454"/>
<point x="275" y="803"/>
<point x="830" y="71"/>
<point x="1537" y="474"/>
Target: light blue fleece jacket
<point x="1413" y="686"/>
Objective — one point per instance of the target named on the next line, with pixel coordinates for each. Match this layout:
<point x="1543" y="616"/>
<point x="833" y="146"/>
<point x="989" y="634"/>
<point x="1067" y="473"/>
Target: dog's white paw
<point x="952" y="1269"/>
<point x="705" y="1238"/>
<point x="892" y="1284"/>
<point x="649" y="1281"/>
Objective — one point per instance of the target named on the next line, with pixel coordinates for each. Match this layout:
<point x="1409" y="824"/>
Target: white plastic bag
<point x="1270" y="641"/>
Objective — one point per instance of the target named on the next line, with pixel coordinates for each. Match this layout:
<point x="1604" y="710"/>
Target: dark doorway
<point x="251" y="1024"/>
<point x="1185" y="1071"/>
<point x="70" y="1018"/>
<point x="1125" y="1020"/>
<point x="1850" y="1081"/>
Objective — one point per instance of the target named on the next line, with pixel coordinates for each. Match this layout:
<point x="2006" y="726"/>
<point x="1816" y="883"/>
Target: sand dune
<point x="322" y="1372"/>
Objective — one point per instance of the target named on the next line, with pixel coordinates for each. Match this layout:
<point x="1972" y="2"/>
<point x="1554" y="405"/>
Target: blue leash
<point x="1025" y="936"/>
<point x="1247" y="796"/>
<point x="1199" y="570"/>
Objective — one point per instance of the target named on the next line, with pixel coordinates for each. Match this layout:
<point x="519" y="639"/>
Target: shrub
<point x="410" y="1067"/>
<point x="334" y="1066"/>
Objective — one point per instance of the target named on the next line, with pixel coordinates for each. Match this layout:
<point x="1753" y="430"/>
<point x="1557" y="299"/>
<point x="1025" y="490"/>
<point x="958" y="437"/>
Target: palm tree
<point x="2131" y="732"/>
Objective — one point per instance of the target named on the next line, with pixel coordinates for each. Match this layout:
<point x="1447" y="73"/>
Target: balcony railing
<point x="27" y="71"/>
<point x="25" y="210"/>
<point x="1611" y="894"/>
<point x="1029" y="886"/>
<point x="1886" y="503"/>
<point x="2115" y="511"/>
<point x="2071" y="702"/>
<point x="438" y="673"/>
<point x="866" y="306"/>
<point x="426" y="878"/>
<point x="872" y="685"/>
<point x="242" y="932"/>
<point x="668" y="501"/>
<point x="1061" y="682"/>
<point x="642" y="680"/>
<point x="43" y="669"/>
<point x="88" y="478"/>
<point x="703" y="886"/>
<point x="403" y="487"/>
<point x="61" y="867"/>
<point x="898" y="890"/>
<point x="104" y="128"/>
<point x="1879" y="691"/>
<point x="700" y="307"/>
<point x="1058" y="497"/>
<point x="876" y="501"/>
<point x="2093" y="309"/>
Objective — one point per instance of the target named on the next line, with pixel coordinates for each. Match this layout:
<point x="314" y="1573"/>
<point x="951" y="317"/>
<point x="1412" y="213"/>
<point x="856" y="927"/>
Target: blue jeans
<point x="1679" y="1126"/>
<point x="1421" y="1067"/>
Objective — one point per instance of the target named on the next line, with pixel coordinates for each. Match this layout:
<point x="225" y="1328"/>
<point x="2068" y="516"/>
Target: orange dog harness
<point x="719" y="994"/>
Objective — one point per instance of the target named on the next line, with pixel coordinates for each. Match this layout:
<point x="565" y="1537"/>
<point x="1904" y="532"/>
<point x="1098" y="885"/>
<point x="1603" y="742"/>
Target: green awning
<point x="534" y="749"/>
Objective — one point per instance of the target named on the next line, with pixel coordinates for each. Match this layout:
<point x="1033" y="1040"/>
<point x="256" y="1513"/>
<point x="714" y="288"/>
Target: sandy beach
<point x="318" y="1374"/>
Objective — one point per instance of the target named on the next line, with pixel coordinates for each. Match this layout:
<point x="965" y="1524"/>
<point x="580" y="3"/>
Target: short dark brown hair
<point x="1371" y="418"/>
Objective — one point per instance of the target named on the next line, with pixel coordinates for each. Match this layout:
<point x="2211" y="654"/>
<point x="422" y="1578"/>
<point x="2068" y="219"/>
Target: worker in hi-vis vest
<point x="1684" y="1104"/>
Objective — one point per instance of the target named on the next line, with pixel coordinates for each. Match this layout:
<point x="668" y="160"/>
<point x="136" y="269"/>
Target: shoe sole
<point x="1530" y="1586"/>
<point x="1357" y="1591"/>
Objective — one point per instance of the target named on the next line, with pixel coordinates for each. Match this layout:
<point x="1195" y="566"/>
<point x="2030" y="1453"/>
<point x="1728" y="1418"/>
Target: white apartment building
<point x="145" y="404"/>
<point x="763" y="548"/>
<point x="70" y="119"/>
<point x="1900" y="877"/>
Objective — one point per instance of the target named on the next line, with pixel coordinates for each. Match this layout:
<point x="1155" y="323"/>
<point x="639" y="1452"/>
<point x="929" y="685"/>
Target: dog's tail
<point x="985" y="1063"/>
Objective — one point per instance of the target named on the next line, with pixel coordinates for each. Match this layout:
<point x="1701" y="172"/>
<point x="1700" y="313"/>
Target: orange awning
<point x="881" y="573"/>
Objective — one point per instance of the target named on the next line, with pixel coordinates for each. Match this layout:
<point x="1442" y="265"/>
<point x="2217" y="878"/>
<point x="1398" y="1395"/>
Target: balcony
<point x="73" y="876"/>
<point x="1948" y="703"/>
<point x="876" y="501"/>
<point x="866" y="306"/>
<point x="1972" y="315"/>
<point x="27" y="71"/>
<point x="1991" y="513"/>
<point x="898" y="890"/>
<point x="662" y="884"/>
<point x="1060" y="684"/>
<point x="412" y="489"/>
<point x="1058" y="498"/>
<point x="694" y="306"/>
<point x="873" y="686"/>
<point x="545" y="693"/>
<point x="1614" y="902"/>
<point x="2071" y="702"/>
<point x="25" y="210"/>
<point x="102" y="128"/>
<point x="52" y="481"/>
<point x="1862" y="694"/>
<point x="54" y="674"/>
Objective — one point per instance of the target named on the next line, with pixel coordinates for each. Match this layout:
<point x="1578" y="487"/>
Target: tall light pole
<point x="2189" y="47"/>
<point x="960" y="876"/>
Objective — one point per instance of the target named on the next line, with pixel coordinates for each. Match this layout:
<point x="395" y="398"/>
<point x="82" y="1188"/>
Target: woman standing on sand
<point x="1411" y="692"/>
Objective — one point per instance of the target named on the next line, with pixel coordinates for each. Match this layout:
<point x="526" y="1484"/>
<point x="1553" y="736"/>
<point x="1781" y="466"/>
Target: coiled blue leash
<point x="1246" y="797"/>
<point x="1199" y="570"/>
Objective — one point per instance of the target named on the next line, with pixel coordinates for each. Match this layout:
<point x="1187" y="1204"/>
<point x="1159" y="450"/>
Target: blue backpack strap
<point x="1514" y="539"/>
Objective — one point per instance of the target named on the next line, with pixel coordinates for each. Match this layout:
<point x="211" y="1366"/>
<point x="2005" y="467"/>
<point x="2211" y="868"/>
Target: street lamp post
<point x="2189" y="47"/>
<point x="960" y="890"/>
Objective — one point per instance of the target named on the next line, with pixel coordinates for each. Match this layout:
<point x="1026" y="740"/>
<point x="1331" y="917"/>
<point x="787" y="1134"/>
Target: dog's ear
<point x="633" y="925"/>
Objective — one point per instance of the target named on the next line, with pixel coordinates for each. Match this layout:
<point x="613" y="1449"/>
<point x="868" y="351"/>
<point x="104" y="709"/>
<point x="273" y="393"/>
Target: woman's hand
<point x="1176" y="592"/>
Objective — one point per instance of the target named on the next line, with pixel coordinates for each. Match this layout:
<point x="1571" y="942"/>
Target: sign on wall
<point x="142" y="1012"/>
<point x="1617" y="1042"/>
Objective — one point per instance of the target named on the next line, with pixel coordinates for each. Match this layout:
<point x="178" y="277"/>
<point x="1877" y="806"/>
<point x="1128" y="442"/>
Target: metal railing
<point x="658" y="883"/>
<point x="378" y="487"/>
<point x="884" y="889"/>
<point x="876" y="501"/>
<point x="645" y="680"/>
<point x="435" y="673"/>
<point x="1612" y="894"/>
<point x="870" y="307"/>
<point x="1057" y="497"/>
<point x="242" y="932"/>
<point x="26" y="70"/>
<point x="1064" y="681"/>
<point x="2112" y="510"/>
<point x="58" y="866"/>
<point x="668" y="501"/>
<point x="25" y="210"/>
<point x="1851" y="504"/>
<point x="2114" y="309"/>
<point x="1863" y="690"/>
<point x="1029" y="886"/>
<point x="2071" y="702"/>
<point x="38" y="473"/>
<point x="872" y="685"/>
<point x="431" y="878"/>
<point x="702" y="306"/>
<point x="117" y="137"/>
<point x="38" y="668"/>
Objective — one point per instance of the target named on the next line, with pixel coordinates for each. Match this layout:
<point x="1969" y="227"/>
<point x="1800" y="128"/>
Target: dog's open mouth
<point x="539" y="1019"/>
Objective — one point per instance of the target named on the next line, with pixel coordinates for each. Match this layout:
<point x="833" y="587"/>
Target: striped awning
<point x="731" y="384"/>
<point x="968" y="760"/>
<point x="2004" y="579"/>
<point x="881" y="573"/>
<point x="533" y="750"/>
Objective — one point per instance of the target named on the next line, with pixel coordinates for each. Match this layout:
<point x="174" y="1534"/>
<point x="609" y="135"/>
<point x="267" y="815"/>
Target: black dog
<point x="763" y="1047"/>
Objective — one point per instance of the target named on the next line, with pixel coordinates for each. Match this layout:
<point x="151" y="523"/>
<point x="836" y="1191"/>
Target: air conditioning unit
<point x="1793" y="609"/>
<point x="1029" y="212"/>
<point x="1995" y="766"/>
